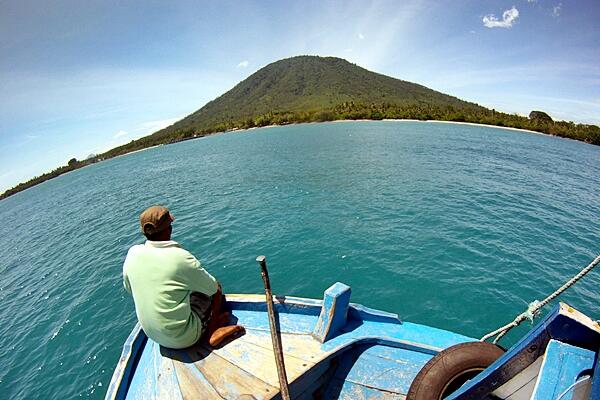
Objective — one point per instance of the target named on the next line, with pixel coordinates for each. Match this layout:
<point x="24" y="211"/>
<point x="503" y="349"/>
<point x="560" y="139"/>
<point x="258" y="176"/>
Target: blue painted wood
<point x="379" y="354"/>
<point x="562" y="366"/>
<point x="167" y="383"/>
<point x="132" y="350"/>
<point x="282" y="304"/>
<point x="527" y="350"/>
<point x="143" y="384"/>
<point x="383" y="367"/>
<point x="344" y="390"/>
<point x="595" y="395"/>
<point x="154" y="376"/>
<point x="291" y="323"/>
<point x="193" y="384"/>
<point x="333" y="313"/>
<point x="360" y="312"/>
<point x="230" y="380"/>
<point x="421" y="337"/>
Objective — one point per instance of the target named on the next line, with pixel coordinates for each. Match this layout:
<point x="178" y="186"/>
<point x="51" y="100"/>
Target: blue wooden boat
<point x="334" y="349"/>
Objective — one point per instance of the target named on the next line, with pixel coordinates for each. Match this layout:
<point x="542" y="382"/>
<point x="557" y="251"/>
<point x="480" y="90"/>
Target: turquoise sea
<point x="449" y="225"/>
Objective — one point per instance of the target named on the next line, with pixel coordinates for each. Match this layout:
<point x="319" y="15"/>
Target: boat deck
<point x="373" y="356"/>
<point x="334" y="349"/>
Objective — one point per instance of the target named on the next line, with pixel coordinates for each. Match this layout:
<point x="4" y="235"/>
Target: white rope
<point x="574" y="386"/>
<point x="534" y="307"/>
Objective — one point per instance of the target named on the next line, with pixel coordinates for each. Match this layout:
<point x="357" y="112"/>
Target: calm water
<point x="453" y="226"/>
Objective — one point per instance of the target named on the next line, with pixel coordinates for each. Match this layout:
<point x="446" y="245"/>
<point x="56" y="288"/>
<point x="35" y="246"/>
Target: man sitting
<point x="176" y="300"/>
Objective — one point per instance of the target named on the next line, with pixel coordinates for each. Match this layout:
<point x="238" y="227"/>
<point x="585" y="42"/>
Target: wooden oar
<point x="283" y="384"/>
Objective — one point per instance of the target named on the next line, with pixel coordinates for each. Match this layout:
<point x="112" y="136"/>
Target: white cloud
<point x="243" y="64"/>
<point x="361" y="36"/>
<point x="557" y="9"/>
<point x="508" y="18"/>
<point x="348" y="50"/>
<point x="532" y="1"/>
<point x="120" y="134"/>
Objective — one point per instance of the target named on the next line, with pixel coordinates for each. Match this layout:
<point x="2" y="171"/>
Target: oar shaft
<point x="283" y="384"/>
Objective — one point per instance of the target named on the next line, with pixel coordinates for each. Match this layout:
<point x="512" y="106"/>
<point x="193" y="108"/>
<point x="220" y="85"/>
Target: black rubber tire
<point x="451" y="368"/>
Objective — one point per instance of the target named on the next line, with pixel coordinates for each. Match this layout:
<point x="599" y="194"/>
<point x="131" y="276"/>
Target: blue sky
<point x="80" y="77"/>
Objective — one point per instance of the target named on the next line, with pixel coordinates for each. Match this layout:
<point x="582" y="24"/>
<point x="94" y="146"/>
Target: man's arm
<point x="125" y="278"/>
<point x="199" y="280"/>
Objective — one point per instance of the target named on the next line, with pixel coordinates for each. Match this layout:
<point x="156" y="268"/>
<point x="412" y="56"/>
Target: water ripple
<point x="454" y="226"/>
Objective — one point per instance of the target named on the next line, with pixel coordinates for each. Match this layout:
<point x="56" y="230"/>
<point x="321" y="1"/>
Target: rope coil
<point x="534" y="307"/>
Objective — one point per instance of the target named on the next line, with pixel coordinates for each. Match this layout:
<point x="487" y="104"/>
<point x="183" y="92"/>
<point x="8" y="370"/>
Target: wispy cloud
<point x="556" y="10"/>
<point x="243" y="64"/>
<point x="120" y="134"/>
<point x="449" y="81"/>
<point x="22" y="141"/>
<point x="361" y="36"/>
<point x="6" y="174"/>
<point x="153" y="126"/>
<point x="140" y="130"/>
<point x="507" y="21"/>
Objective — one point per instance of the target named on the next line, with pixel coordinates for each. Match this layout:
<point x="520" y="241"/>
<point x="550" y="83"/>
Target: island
<point x="318" y="89"/>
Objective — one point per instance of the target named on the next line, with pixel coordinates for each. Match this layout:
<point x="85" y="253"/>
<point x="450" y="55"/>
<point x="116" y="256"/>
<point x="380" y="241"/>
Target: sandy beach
<point x="388" y="120"/>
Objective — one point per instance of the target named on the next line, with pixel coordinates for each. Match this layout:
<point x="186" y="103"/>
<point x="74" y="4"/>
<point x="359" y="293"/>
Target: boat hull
<point x="334" y="349"/>
<point x="373" y="354"/>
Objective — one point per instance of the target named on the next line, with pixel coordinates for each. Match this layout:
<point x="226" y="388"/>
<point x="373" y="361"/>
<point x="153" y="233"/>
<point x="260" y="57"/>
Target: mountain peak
<point x="308" y="83"/>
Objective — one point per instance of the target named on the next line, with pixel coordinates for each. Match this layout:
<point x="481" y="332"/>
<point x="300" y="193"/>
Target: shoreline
<point x="337" y="121"/>
<point x="300" y="123"/>
<point x="449" y="122"/>
<point x="135" y="151"/>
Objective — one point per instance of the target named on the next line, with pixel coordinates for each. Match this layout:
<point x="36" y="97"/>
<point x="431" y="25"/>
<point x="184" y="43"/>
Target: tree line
<point x="348" y="110"/>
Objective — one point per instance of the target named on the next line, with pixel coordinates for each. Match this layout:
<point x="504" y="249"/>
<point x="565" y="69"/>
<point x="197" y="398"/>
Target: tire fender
<point x="451" y="368"/>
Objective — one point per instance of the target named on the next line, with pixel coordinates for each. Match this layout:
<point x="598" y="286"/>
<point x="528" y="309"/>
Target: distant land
<point x="318" y="89"/>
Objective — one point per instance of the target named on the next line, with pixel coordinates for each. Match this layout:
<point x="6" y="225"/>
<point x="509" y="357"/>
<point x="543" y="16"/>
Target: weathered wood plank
<point x="252" y="300"/>
<point x="230" y="381"/>
<point x="143" y="384"/>
<point x="334" y="312"/>
<point x="260" y="360"/>
<point x="430" y="339"/>
<point x="387" y="368"/>
<point x="595" y="394"/>
<point x="303" y="347"/>
<point x="288" y="323"/>
<point x="117" y="389"/>
<point x="560" y="369"/>
<point x="345" y="390"/>
<point x="193" y="384"/>
<point x="167" y="384"/>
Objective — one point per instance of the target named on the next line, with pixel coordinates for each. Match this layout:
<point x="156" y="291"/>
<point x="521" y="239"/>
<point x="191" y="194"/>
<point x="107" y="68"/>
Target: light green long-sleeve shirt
<point x="161" y="276"/>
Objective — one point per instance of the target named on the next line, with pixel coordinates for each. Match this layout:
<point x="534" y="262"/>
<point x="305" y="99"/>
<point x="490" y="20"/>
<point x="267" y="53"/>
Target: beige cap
<point x="155" y="219"/>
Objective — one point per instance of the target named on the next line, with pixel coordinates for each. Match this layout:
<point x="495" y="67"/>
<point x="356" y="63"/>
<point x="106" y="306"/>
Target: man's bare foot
<point x="224" y="333"/>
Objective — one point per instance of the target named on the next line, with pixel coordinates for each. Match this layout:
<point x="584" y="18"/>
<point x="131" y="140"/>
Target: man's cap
<point x="155" y="219"/>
